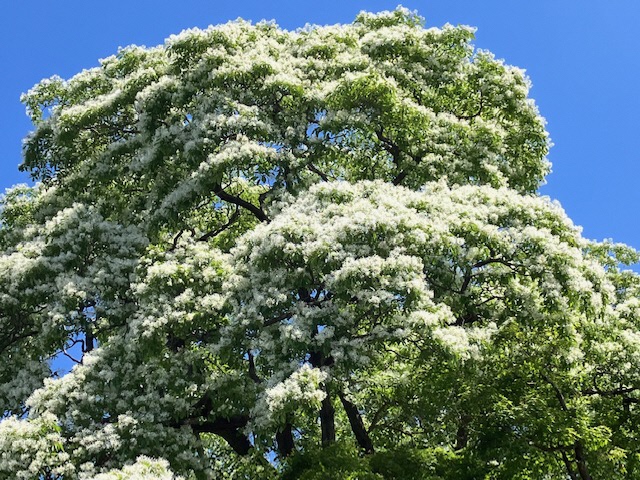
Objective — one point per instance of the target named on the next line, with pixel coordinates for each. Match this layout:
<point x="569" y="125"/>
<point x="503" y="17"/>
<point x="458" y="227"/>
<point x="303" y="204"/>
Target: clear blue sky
<point x="583" y="57"/>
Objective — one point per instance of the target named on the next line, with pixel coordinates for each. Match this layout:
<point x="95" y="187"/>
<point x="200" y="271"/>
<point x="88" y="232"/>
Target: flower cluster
<point x="252" y="241"/>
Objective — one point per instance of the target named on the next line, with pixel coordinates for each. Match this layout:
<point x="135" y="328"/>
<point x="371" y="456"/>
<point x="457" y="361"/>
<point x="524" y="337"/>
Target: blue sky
<point x="583" y="57"/>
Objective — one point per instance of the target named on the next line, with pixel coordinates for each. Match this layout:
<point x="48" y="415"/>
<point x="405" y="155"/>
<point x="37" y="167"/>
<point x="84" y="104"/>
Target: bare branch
<point x="312" y="167"/>
<point x="253" y="375"/>
<point x="357" y="425"/>
<point x="232" y="218"/>
<point x="557" y="391"/>
<point x="227" y="197"/>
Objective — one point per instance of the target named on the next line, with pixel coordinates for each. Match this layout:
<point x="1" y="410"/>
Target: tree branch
<point x="578" y="448"/>
<point x="284" y="440"/>
<point x="227" y="197"/>
<point x="357" y="425"/>
<point x="232" y="218"/>
<point x="557" y="391"/>
<point x="253" y="375"/>
<point x="609" y="393"/>
<point x="327" y="420"/>
<point x="483" y="263"/>
<point x="312" y="167"/>
<point x="228" y="429"/>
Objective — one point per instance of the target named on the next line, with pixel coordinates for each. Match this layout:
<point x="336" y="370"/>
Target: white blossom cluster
<point x="241" y="226"/>
<point x="31" y="447"/>
<point x="299" y="391"/>
<point x="145" y="468"/>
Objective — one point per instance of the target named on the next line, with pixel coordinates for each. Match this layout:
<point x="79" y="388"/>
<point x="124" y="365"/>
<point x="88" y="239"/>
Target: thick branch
<point x="389" y="145"/>
<point x="284" y="439"/>
<point x="581" y="461"/>
<point x="253" y="375"/>
<point x="467" y="319"/>
<point x="476" y="114"/>
<point x="627" y="402"/>
<point x="578" y="447"/>
<point x="227" y="197"/>
<point x="399" y="178"/>
<point x="274" y="320"/>
<point x="609" y="393"/>
<point x="174" y="243"/>
<point x="393" y="149"/>
<point x="569" y="466"/>
<point x="229" y="429"/>
<point x="313" y="168"/>
<point x="462" y="434"/>
<point x="327" y="420"/>
<point x="89" y="340"/>
<point x="327" y="412"/>
<point x="357" y="425"/>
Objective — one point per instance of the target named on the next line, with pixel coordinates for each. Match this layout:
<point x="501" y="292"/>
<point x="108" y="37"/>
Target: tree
<point x="310" y="254"/>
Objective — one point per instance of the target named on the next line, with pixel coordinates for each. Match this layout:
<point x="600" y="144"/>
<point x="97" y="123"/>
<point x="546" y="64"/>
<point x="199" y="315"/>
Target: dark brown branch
<point x="469" y="276"/>
<point x="312" y="167"/>
<point x="552" y="449"/>
<point x="327" y="420"/>
<point x="609" y="393"/>
<point x="253" y="375"/>
<point x="174" y="243"/>
<point x="274" y="320"/>
<point x="562" y="449"/>
<point x="227" y="197"/>
<point x="569" y="466"/>
<point x="357" y="425"/>
<point x="68" y="355"/>
<point x="467" y="319"/>
<point x="627" y="402"/>
<point x="581" y="461"/>
<point x="389" y="145"/>
<point x="488" y="261"/>
<point x="557" y="392"/>
<point x="262" y="197"/>
<point x="232" y="218"/>
<point x="327" y="412"/>
<point x="399" y="178"/>
<point x="476" y="114"/>
<point x="89" y="340"/>
<point x="578" y="447"/>
<point x="284" y="440"/>
<point x="392" y="149"/>
<point x="462" y="434"/>
<point x="228" y="429"/>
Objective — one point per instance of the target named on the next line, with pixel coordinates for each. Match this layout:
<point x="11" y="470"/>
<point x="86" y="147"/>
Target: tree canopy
<point x="315" y="254"/>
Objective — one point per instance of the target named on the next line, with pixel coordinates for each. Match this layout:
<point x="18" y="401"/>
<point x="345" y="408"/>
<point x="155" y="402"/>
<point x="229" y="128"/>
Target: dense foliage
<point x="315" y="254"/>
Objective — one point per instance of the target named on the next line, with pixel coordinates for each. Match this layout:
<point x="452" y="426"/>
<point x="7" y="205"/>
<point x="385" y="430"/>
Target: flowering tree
<point x="311" y="254"/>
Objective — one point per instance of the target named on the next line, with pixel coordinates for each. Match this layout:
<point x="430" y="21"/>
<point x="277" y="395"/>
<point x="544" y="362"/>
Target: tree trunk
<point x="327" y="412"/>
<point x="357" y="425"/>
<point x="462" y="435"/>
<point x="327" y="420"/>
<point x="88" y="339"/>
<point x="582" y="462"/>
<point x="284" y="439"/>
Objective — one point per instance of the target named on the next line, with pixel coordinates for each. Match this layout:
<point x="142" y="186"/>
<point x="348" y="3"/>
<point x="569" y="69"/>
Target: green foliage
<point x="314" y="254"/>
